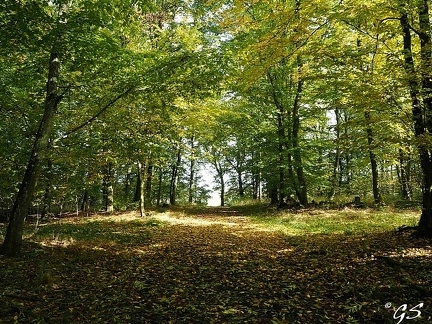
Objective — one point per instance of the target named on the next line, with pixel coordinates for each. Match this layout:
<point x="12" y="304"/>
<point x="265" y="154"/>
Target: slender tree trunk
<point x="159" y="191"/>
<point x="149" y="181"/>
<point x="256" y="178"/>
<point x="108" y="189"/>
<point x="192" y="172"/>
<point x="220" y="173"/>
<point x="137" y="194"/>
<point x="336" y="162"/>
<point x="191" y="181"/>
<point x="13" y="239"/>
<point x="240" y="183"/>
<point x="222" y="190"/>
<point x="141" y="189"/>
<point x="47" y="195"/>
<point x="127" y="184"/>
<point x="302" y="188"/>
<point x="281" y="139"/>
<point x="175" y="178"/>
<point x="256" y="187"/>
<point x="85" y="201"/>
<point x="403" y="176"/>
<point x="222" y="194"/>
<point x="372" y="157"/>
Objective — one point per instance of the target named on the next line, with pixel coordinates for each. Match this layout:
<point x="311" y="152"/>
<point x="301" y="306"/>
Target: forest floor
<point x="215" y="265"/>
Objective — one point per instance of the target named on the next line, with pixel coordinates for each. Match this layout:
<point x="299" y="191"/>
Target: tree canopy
<point x="115" y="105"/>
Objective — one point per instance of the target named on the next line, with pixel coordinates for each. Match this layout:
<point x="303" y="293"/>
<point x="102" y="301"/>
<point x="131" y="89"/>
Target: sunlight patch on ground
<point x="129" y="216"/>
<point x="178" y="220"/>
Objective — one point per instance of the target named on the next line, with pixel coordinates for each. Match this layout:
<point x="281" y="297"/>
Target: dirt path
<point x="216" y="231"/>
<point x="215" y="265"/>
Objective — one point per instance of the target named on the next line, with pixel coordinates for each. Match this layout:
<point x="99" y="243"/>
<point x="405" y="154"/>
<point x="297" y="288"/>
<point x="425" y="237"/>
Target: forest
<point x="113" y="107"/>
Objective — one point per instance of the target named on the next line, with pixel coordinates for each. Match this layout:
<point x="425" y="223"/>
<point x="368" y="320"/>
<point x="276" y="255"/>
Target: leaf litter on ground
<point x="214" y="265"/>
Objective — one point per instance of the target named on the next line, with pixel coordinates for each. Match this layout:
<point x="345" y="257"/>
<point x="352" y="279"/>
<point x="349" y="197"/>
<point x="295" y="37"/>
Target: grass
<point x="347" y="221"/>
<point x="123" y="229"/>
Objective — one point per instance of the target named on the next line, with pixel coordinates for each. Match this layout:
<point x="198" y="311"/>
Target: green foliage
<point x="139" y="79"/>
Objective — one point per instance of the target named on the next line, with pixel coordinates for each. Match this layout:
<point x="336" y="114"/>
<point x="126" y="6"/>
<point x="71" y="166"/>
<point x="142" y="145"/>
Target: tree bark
<point x="220" y="173"/>
<point x="373" y="161"/>
<point x="336" y="162"/>
<point x="137" y="194"/>
<point x="149" y="183"/>
<point x="281" y="139"/>
<point x="301" y="191"/>
<point x="192" y="172"/>
<point x="127" y="184"/>
<point x="85" y="202"/>
<point x="159" y="191"/>
<point x="241" y="189"/>
<point x="175" y="177"/>
<point x="140" y="189"/>
<point x="425" y="223"/>
<point x="13" y="239"/>
<point x="404" y="176"/>
<point x="421" y="110"/>
<point x="47" y="195"/>
<point x="108" y="189"/>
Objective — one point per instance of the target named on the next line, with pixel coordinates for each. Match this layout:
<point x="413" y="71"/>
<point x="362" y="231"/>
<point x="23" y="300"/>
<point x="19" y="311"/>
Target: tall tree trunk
<point x="127" y="184"/>
<point x="13" y="239"/>
<point x="108" y="189"/>
<point x="220" y="173"/>
<point x="141" y="188"/>
<point x="137" y="194"/>
<point x="281" y="139"/>
<point x="302" y="188"/>
<point x="222" y="190"/>
<point x="345" y="172"/>
<point x="85" y="201"/>
<point x="372" y="157"/>
<point x="240" y="183"/>
<point x="403" y="176"/>
<point x="175" y="178"/>
<point x="256" y="178"/>
<point x="47" y="195"/>
<point x="273" y="196"/>
<point x="425" y="224"/>
<point x="149" y="182"/>
<point x="192" y="172"/>
<point x="422" y="119"/>
<point x="336" y="162"/>
<point x="159" y="191"/>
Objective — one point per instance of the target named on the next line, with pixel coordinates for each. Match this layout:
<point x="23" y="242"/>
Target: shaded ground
<point x="214" y="266"/>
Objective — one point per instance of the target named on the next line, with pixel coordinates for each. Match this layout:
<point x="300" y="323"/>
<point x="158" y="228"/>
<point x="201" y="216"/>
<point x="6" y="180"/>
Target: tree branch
<point x="100" y="112"/>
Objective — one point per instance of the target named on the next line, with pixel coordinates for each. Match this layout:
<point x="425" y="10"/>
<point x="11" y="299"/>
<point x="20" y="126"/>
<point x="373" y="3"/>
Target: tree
<point x="419" y="81"/>
<point x="13" y="238"/>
